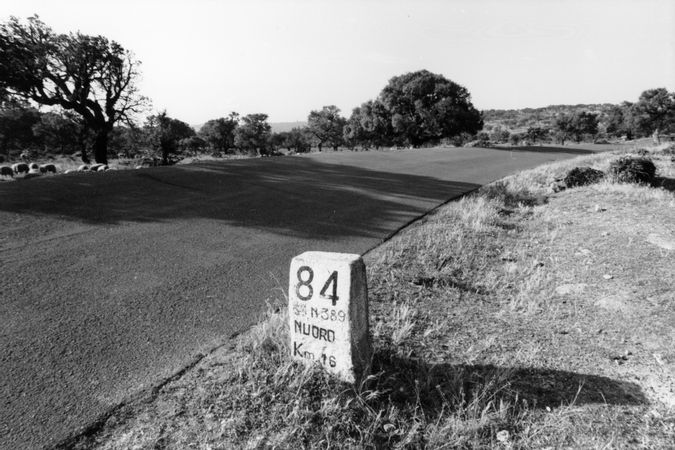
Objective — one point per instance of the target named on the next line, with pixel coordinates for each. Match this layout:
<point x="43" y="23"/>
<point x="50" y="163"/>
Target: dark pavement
<point x="111" y="282"/>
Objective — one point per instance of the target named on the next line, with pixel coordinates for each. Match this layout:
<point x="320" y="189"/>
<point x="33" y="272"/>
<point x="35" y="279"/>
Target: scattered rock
<point x="503" y="436"/>
<point x="617" y="303"/>
<point x="660" y="241"/>
<point x="565" y="289"/>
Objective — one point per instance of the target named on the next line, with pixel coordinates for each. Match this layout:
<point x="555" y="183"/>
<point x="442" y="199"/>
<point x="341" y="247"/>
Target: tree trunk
<point x="320" y="145"/>
<point x="101" y="147"/>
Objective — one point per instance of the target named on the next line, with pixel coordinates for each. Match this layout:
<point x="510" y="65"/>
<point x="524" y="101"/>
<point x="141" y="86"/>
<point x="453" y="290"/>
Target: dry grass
<point x="514" y="318"/>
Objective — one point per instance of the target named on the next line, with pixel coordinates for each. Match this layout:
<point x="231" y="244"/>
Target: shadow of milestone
<point x="290" y="195"/>
<point x="412" y="383"/>
<point x="544" y="149"/>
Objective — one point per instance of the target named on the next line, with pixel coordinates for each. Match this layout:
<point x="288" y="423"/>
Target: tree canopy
<point x="327" y="126"/>
<point x="219" y="133"/>
<point x="165" y="133"/>
<point x="424" y="106"/>
<point x="253" y="134"/>
<point x="655" y="111"/>
<point x="369" y="125"/>
<point x="90" y="75"/>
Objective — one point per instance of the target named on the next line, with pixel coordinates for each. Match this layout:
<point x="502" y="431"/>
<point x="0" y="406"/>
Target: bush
<point x="632" y="170"/>
<point x="582" y="176"/>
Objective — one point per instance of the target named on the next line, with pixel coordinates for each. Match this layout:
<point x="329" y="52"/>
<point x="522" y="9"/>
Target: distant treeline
<point x="652" y="115"/>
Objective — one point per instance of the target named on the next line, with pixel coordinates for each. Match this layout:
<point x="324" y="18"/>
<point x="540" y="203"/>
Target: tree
<point x="89" y="75"/>
<point x="564" y="127"/>
<point x="164" y="134"/>
<point x="219" y="133"/>
<point x="17" y="120"/>
<point x="253" y="134"/>
<point x="536" y="134"/>
<point x="617" y="124"/>
<point x="655" y="112"/>
<point x="327" y="126"/>
<point x="192" y="144"/>
<point x="585" y="124"/>
<point x="125" y="141"/>
<point x="500" y="135"/>
<point x="426" y="107"/>
<point x="369" y="125"/>
<point x="575" y="126"/>
<point x="58" y="132"/>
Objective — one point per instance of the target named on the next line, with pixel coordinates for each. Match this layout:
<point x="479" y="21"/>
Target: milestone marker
<point x="328" y="312"/>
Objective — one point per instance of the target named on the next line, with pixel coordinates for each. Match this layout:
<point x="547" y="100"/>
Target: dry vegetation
<point x="513" y="318"/>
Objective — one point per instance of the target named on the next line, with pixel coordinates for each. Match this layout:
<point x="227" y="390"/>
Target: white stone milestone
<point x="328" y="312"/>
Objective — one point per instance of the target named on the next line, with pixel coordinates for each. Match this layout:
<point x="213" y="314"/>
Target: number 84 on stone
<point x="328" y="312"/>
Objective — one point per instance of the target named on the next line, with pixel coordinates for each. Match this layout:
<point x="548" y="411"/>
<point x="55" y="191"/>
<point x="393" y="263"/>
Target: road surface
<point x="112" y="282"/>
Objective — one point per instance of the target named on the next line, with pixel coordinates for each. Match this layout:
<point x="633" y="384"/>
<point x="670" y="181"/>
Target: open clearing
<point x="112" y="282"/>
<point x="514" y="318"/>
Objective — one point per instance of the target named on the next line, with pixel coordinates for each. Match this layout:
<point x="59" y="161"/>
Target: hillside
<point x="520" y="119"/>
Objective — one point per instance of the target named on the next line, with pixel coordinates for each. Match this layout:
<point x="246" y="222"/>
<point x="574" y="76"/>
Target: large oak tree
<point x="427" y="107"/>
<point x="90" y="75"/>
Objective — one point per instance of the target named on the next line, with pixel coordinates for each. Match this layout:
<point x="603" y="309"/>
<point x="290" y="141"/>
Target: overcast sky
<point x="202" y="59"/>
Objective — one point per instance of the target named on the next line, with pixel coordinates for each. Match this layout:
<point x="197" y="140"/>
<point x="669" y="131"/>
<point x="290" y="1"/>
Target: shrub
<point x="632" y="170"/>
<point x="582" y="176"/>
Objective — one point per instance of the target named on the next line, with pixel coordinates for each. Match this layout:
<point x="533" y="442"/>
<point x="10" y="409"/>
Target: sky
<point x="202" y="59"/>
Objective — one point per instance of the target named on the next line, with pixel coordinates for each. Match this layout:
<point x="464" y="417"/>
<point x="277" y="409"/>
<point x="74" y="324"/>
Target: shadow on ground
<point x="665" y="183"/>
<point x="297" y="196"/>
<point x="414" y="383"/>
<point x="545" y="149"/>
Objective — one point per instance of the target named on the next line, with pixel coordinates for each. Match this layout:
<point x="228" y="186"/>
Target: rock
<point x="565" y="289"/>
<point x="503" y="436"/>
<point x="660" y="241"/>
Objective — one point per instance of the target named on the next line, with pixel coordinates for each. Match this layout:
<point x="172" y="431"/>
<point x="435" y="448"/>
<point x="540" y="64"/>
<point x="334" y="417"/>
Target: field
<point x="517" y="317"/>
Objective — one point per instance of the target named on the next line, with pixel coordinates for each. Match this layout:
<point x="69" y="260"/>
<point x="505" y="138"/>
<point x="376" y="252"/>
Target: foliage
<point x="327" y="126"/>
<point x="16" y="127"/>
<point x="483" y="139"/>
<point x="164" y="134"/>
<point x="253" y="134"/>
<point x="500" y="135"/>
<point x="428" y="107"/>
<point x="576" y="126"/>
<point x="126" y="141"/>
<point x="59" y="132"/>
<point x="582" y="176"/>
<point x="632" y="170"/>
<point x="192" y="144"/>
<point x="219" y="133"/>
<point x="535" y="135"/>
<point x="369" y="126"/>
<point x="655" y="112"/>
<point x="89" y="75"/>
<point x="298" y="140"/>
<point x="620" y="121"/>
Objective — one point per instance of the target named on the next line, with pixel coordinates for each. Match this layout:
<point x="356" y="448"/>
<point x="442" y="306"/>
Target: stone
<point x="328" y="313"/>
<point x="661" y="241"/>
<point x="565" y="289"/>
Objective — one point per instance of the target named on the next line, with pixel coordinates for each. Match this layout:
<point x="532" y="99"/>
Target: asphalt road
<point x="112" y="282"/>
